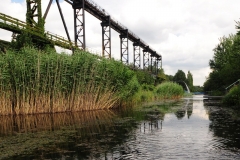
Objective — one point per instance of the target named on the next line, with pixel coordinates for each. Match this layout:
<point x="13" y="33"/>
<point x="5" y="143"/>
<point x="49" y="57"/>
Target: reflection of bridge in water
<point x="35" y="26"/>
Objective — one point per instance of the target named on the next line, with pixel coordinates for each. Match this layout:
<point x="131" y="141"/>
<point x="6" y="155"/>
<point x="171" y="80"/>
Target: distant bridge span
<point x="34" y="21"/>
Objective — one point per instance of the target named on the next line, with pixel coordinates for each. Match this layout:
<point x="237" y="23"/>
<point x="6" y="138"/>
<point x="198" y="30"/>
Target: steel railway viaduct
<point x="34" y="24"/>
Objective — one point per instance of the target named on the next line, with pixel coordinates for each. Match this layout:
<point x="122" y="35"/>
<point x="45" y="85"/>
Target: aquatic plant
<point x="33" y="81"/>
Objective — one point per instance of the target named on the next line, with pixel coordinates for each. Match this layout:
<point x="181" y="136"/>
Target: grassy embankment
<point x="33" y="81"/>
<point x="165" y="90"/>
<point x="232" y="98"/>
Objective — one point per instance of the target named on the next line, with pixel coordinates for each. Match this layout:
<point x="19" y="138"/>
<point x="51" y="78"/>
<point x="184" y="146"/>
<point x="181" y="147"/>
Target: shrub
<point x="147" y="87"/>
<point x="169" y="90"/>
<point x="232" y="98"/>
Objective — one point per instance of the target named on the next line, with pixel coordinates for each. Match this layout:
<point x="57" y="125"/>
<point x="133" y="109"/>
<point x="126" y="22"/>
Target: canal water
<point x="191" y="128"/>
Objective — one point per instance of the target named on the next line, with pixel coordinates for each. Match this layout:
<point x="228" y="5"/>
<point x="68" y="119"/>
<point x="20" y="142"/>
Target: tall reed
<point x="33" y="81"/>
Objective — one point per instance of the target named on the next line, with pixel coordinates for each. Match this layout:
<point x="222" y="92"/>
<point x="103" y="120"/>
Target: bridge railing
<point x="16" y="24"/>
<point x="120" y="26"/>
<point x="12" y="22"/>
<point x="96" y="6"/>
<point x="231" y="85"/>
<point x="103" y="11"/>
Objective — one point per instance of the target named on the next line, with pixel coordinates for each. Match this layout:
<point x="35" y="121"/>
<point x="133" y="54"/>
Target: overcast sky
<point x="184" y="32"/>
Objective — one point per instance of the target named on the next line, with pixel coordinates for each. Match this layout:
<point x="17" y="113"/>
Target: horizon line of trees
<point x="181" y="77"/>
<point x="225" y="64"/>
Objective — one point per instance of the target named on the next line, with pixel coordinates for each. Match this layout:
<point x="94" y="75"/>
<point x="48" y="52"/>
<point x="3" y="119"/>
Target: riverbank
<point x="36" y="82"/>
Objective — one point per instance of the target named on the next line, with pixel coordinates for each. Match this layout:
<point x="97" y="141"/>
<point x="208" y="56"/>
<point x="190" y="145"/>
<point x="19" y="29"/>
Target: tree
<point x="190" y="80"/>
<point x="180" y="78"/>
<point x="161" y="76"/>
<point x="225" y="63"/>
<point x="169" y="77"/>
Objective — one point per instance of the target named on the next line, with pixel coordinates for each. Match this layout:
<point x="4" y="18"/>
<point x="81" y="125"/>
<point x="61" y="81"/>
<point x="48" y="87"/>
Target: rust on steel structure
<point x="152" y="61"/>
<point x="80" y="6"/>
<point x="106" y="37"/>
<point x="137" y="54"/>
<point x="124" y="46"/>
<point x="34" y="14"/>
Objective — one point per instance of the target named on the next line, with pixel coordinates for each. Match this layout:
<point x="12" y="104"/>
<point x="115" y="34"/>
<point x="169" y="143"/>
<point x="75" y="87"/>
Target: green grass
<point x="164" y="91"/>
<point x="232" y="98"/>
<point x="169" y="90"/>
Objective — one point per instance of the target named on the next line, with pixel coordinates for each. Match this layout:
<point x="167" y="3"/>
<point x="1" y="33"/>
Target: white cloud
<point x="183" y="31"/>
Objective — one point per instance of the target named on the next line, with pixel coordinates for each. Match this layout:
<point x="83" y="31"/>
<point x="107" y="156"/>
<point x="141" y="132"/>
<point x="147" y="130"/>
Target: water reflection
<point x="186" y="108"/>
<point x="10" y="125"/>
<point x="181" y="130"/>
<point x="225" y="127"/>
<point x="79" y="135"/>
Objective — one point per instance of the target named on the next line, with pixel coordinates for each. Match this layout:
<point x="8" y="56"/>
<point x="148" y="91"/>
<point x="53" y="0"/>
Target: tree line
<point x="225" y="64"/>
<point x="180" y="77"/>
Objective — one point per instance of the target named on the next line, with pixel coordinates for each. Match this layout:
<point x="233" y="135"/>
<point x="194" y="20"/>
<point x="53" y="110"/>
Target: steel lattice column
<point x="151" y="65"/>
<point x="158" y="64"/>
<point x="79" y="23"/>
<point x="14" y="36"/>
<point x="34" y="14"/>
<point x="124" y="47"/>
<point x="154" y="63"/>
<point x="146" y="58"/>
<point x="137" y="53"/>
<point x="155" y="68"/>
<point x="106" y="38"/>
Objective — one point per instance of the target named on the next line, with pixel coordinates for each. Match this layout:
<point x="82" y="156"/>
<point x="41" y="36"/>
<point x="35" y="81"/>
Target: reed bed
<point x="33" y="82"/>
<point x="169" y="90"/>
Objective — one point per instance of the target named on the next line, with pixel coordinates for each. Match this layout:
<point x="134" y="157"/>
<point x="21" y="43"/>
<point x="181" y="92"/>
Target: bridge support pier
<point x="146" y="58"/>
<point x="152" y="63"/>
<point x="79" y="23"/>
<point x="136" y="54"/>
<point x="14" y="36"/>
<point x="34" y="14"/>
<point x="124" y="46"/>
<point x="155" y="64"/>
<point x="159" y="64"/>
<point x="106" y="38"/>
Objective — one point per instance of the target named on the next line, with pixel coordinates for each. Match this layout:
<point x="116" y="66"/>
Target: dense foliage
<point x="190" y="81"/>
<point x="225" y="64"/>
<point x="144" y="77"/>
<point x="33" y="81"/>
<point x="180" y="77"/>
<point x="169" y="90"/>
<point x="165" y="90"/>
<point x="233" y="97"/>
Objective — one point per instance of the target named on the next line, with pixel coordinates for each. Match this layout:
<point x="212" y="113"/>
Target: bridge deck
<point x="94" y="9"/>
<point x="15" y="25"/>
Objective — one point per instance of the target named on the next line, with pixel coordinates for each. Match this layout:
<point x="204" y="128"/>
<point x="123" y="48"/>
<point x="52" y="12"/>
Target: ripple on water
<point x="188" y="131"/>
<point x="196" y="137"/>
